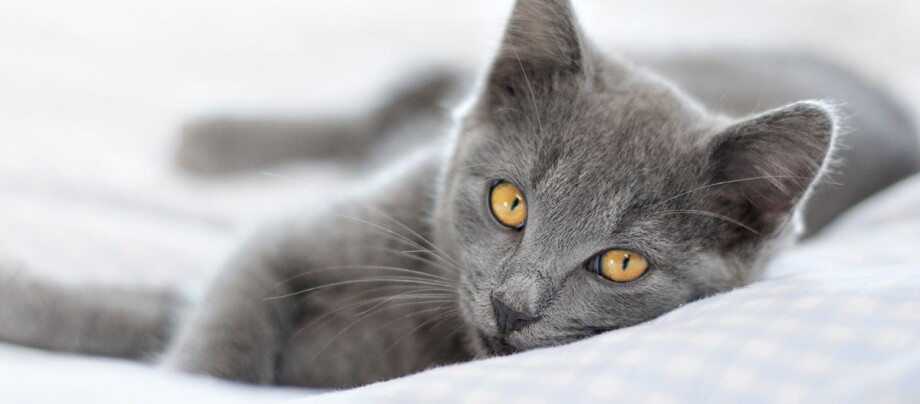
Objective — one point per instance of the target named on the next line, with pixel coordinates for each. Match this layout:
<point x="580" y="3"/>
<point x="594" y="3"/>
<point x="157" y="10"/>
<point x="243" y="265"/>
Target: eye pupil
<point x="625" y="261"/>
<point x="517" y="201"/>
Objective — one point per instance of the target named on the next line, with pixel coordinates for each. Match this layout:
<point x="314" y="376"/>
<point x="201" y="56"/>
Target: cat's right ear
<point x="542" y="47"/>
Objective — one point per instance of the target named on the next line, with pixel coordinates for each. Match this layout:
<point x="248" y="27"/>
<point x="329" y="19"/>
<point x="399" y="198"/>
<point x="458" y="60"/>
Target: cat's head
<point x="585" y="195"/>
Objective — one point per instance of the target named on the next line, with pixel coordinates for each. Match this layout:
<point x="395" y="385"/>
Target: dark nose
<point x="509" y="319"/>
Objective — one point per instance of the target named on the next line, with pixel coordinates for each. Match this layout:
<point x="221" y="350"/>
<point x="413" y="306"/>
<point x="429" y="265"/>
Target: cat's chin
<point x="493" y="345"/>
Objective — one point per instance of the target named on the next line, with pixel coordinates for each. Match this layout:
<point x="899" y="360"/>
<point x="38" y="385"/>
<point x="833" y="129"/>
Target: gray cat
<point x="577" y="194"/>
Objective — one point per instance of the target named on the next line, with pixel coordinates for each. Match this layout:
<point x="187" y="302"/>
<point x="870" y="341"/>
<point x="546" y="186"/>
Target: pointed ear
<point x="542" y="42"/>
<point x="765" y="167"/>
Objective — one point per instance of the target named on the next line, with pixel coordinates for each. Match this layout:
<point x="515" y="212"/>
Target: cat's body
<point x="413" y="270"/>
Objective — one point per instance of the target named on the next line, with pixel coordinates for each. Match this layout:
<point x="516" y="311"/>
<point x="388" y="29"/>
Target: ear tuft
<point x="766" y="165"/>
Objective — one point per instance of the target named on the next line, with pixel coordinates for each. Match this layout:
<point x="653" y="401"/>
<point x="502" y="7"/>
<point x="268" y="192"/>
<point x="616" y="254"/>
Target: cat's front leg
<point x="234" y="332"/>
<point x="345" y="297"/>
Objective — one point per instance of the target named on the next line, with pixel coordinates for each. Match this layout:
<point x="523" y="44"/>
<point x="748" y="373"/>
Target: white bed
<point x="91" y="94"/>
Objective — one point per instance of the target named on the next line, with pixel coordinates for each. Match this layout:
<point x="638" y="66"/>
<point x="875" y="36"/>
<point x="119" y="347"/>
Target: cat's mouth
<point x="496" y="346"/>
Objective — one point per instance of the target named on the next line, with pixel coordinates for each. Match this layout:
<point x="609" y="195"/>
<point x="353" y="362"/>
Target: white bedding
<point x="91" y="94"/>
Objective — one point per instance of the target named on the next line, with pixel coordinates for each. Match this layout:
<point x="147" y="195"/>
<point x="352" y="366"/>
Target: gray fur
<point x="110" y="321"/>
<point x="401" y="275"/>
<point x="225" y="145"/>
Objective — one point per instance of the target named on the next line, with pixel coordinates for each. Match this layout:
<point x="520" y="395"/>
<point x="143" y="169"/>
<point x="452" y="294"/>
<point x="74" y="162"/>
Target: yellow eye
<point x="508" y="205"/>
<point x="619" y="265"/>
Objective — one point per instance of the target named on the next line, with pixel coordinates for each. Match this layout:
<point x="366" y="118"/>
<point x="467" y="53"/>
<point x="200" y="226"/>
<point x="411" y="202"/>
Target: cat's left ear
<point x="542" y="46"/>
<point x="766" y="165"/>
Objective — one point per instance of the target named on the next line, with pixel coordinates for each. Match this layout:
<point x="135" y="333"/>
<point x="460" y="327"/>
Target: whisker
<point x="719" y="103"/>
<point x="419" y="248"/>
<point x="396" y="234"/>
<point x="574" y="102"/>
<point x="372" y="267"/>
<point x="533" y="97"/>
<point x="507" y="109"/>
<point x="452" y="313"/>
<point x="447" y="265"/>
<point x="764" y="177"/>
<point x="335" y="337"/>
<point x="276" y="175"/>
<point x="416" y="234"/>
<point x="446" y="314"/>
<point x="411" y="255"/>
<point x="469" y="166"/>
<point x="414" y="251"/>
<point x="370" y="301"/>
<point x="457" y="328"/>
<point x="472" y="133"/>
<point x="397" y="296"/>
<point x="443" y="286"/>
<point x="713" y="215"/>
<point x="385" y="288"/>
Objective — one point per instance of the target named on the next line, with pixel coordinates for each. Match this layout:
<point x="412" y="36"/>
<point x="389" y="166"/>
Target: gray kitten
<point x="577" y="194"/>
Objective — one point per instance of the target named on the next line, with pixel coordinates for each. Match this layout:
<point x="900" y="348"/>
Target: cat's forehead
<point x="598" y="133"/>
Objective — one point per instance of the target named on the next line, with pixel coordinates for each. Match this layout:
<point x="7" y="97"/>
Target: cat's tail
<point x="104" y="321"/>
<point x="417" y="109"/>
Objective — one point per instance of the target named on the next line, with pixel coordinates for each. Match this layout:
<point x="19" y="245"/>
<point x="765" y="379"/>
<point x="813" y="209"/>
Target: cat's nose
<point x="508" y="318"/>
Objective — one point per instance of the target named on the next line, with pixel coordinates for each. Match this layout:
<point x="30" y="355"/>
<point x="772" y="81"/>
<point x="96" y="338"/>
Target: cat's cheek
<point x="477" y="343"/>
<point x="475" y="307"/>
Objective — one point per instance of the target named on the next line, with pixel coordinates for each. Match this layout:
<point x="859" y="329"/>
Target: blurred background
<point x="93" y="93"/>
